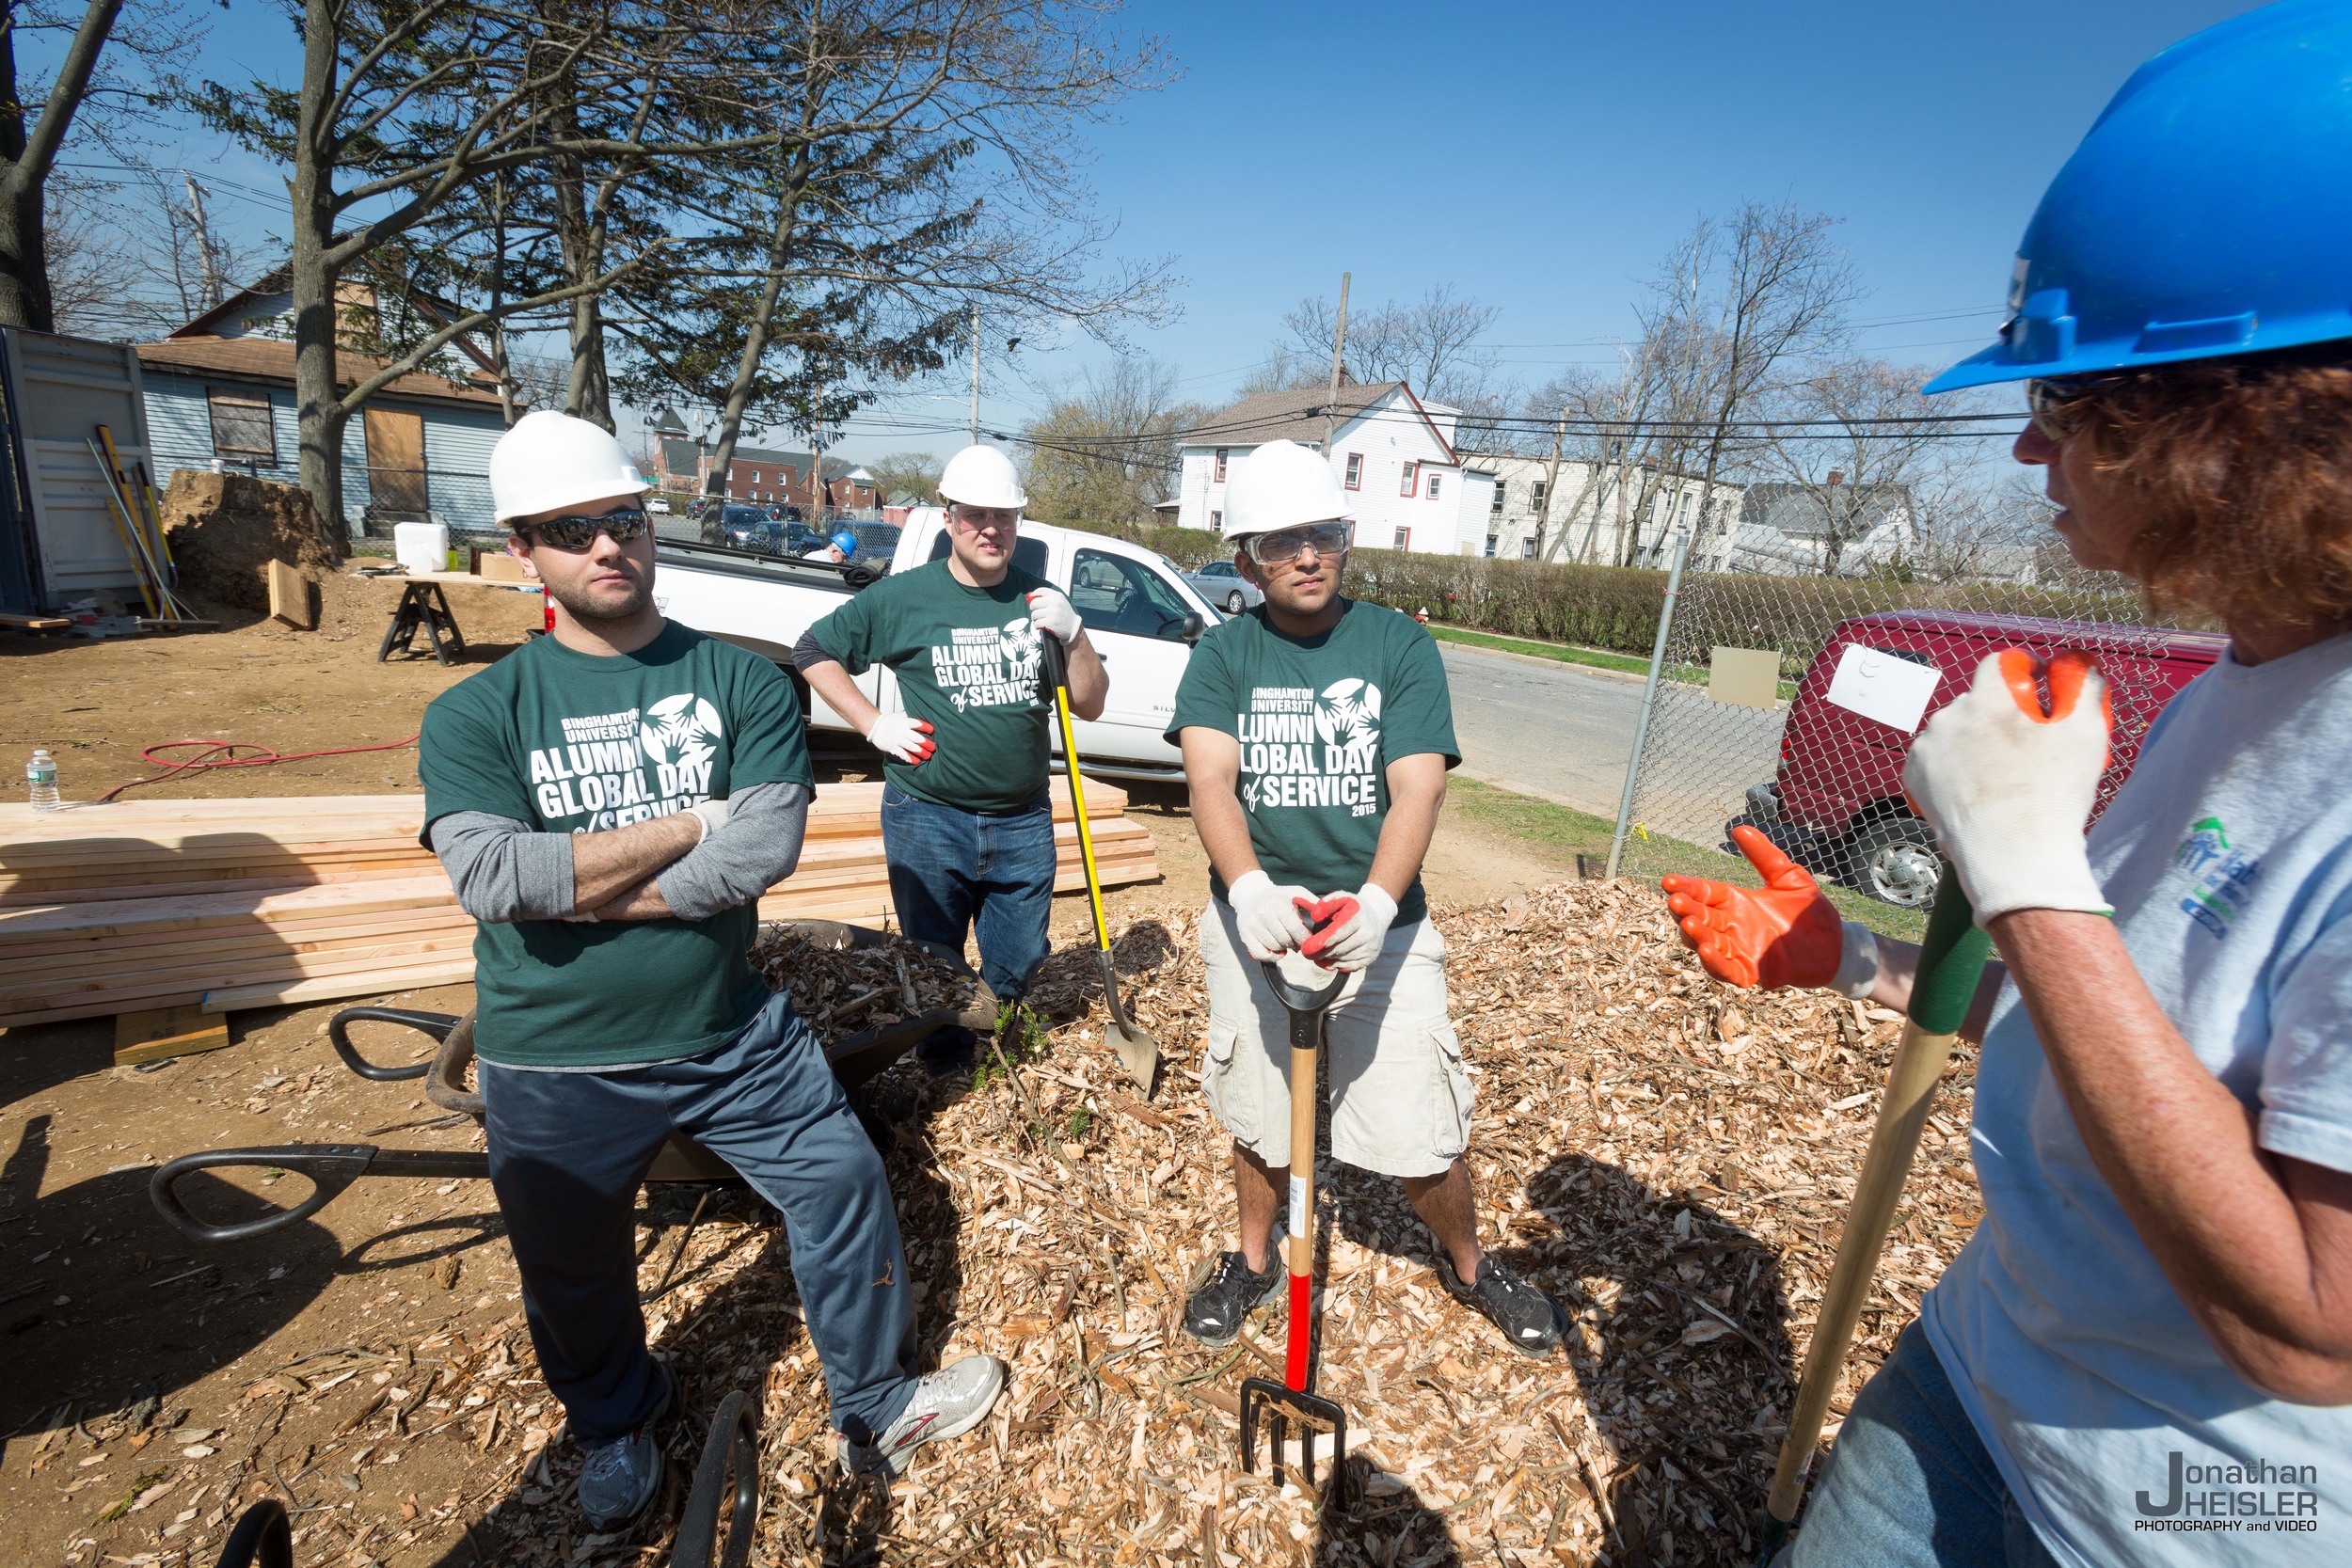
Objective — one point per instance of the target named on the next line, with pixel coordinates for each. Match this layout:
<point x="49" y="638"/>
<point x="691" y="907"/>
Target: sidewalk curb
<point x="1541" y="662"/>
<point x="1480" y="776"/>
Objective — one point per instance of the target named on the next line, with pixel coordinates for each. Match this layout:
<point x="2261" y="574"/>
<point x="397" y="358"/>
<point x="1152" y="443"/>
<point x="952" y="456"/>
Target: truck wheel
<point x="1893" y="860"/>
<point x="1235" y="602"/>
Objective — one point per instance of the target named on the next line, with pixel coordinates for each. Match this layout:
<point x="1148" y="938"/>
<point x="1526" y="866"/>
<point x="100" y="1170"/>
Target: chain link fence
<point x="1786" y="702"/>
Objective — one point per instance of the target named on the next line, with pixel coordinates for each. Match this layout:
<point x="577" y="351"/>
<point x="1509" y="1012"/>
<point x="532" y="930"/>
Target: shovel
<point x="1294" y="1398"/>
<point x="1952" y="961"/>
<point x="1138" y="1050"/>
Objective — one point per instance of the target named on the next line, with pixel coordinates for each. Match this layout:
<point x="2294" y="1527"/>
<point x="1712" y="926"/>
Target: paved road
<point x="1567" y="731"/>
<point x="1560" y="728"/>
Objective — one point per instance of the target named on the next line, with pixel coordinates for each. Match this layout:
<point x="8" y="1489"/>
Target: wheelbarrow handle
<point x="339" y="1033"/>
<point x="263" y="1538"/>
<point x="733" y="1444"/>
<point x="329" y="1169"/>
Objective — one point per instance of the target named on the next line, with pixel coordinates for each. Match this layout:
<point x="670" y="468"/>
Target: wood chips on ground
<point x="1669" y="1159"/>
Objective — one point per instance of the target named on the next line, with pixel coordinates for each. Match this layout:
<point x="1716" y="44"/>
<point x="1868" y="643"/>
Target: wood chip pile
<point x="1670" y="1162"/>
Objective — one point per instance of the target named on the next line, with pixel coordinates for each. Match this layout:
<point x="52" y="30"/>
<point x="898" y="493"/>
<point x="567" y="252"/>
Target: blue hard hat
<point x="845" y="542"/>
<point x="2206" y="214"/>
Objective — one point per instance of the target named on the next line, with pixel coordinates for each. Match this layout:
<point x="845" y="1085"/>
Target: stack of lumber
<point x="142" y="905"/>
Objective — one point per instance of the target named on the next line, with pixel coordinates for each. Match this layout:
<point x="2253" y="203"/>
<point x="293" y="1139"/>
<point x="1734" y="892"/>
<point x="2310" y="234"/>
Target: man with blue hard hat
<point x="2144" y="1354"/>
<point x="840" y="549"/>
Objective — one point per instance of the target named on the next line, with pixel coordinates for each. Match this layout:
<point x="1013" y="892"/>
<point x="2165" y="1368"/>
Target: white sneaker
<point x="948" y="1403"/>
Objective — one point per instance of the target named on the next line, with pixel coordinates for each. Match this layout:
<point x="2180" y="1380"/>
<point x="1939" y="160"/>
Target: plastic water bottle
<point x="40" y="776"/>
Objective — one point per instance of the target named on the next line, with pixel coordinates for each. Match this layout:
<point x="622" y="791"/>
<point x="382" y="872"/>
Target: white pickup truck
<point x="1139" y="614"/>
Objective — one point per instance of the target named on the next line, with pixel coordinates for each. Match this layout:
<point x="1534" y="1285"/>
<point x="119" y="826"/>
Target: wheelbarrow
<point x="331" y="1168"/>
<point x="726" y="1482"/>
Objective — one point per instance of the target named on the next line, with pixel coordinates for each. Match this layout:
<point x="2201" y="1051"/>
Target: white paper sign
<point x="1883" y="687"/>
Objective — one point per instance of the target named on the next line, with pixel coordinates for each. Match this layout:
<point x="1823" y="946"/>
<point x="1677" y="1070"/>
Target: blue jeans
<point x="1909" y="1484"/>
<point x="988" y="872"/>
<point x="569" y="1149"/>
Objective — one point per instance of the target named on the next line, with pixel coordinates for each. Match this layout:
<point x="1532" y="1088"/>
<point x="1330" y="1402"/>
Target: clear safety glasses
<point x="1328" y="540"/>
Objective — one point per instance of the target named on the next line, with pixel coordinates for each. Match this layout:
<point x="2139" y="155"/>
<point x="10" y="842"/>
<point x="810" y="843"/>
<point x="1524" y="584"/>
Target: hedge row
<point x="1618" y="607"/>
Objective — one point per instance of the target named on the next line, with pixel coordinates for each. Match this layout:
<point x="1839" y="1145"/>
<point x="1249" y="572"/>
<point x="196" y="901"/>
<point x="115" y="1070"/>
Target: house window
<point x="1411" y="480"/>
<point x="1355" y="470"/>
<point x="1435" y="479"/>
<point x="1526" y="548"/>
<point x="1498" y="501"/>
<point x="1221" y="465"/>
<point x="1217" y="522"/>
<point x="242" y="426"/>
<point x="1491" y="542"/>
<point x="1536" y="497"/>
<point x="1404" y="539"/>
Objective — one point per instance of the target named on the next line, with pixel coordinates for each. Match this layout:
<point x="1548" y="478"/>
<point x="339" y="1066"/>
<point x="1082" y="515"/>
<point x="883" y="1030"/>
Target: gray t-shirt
<point x="2228" y="857"/>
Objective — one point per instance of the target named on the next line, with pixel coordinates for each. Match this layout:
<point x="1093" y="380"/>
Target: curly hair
<point x="2243" y="469"/>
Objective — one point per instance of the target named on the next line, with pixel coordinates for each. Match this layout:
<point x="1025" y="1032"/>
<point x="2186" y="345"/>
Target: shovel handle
<point x="1055" y="661"/>
<point x="1952" y="961"/>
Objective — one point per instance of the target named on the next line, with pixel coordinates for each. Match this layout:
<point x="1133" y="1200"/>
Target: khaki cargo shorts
<point x="1399" y="1098"/>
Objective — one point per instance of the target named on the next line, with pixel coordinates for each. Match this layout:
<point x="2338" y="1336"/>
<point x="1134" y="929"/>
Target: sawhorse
<point x="422" y="605"/>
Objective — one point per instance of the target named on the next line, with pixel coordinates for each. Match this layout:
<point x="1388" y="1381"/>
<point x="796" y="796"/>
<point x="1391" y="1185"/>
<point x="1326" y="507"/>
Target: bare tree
<point x="1431" y="343"/>
<point x="1862" y="452"/>
<point x="1738" y="306"/>
<point x="36" y="114"/>
<point x="907" y="473"/>
<point x="1105" y="449"/>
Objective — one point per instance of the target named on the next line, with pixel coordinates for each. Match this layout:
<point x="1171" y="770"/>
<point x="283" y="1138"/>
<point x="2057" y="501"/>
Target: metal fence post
<point x="1649" y="699"/>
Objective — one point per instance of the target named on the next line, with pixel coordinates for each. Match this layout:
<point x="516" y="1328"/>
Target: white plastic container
<point x="422" y="546"/>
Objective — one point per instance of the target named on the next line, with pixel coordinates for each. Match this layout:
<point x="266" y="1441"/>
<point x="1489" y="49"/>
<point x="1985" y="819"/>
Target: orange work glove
<point x="1785" y="933"/>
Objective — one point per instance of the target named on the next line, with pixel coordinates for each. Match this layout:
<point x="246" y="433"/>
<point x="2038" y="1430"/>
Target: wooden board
<point x="162" y="1031"/>
<point x="34" y="623"/>
<point x="290" y="597"/>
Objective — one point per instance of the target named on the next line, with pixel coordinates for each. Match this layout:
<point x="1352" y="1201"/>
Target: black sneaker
<point x="1530" y="1320"/>
<point x="1231" y="1294"/>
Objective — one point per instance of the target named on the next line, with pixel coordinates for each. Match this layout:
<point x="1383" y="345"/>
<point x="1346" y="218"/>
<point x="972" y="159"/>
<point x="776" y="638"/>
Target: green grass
<point x="1565" y="653"/>
<point x="1561" y="834"/>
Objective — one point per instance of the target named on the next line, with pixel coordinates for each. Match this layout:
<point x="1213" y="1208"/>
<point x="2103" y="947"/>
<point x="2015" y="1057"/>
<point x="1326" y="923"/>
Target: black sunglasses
<point x="2057" y="404"/>
<point x="577" y="533"/>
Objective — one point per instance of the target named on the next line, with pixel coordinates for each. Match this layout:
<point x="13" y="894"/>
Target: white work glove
<point x="906" y="739"/>
<point x="1359" y="925"/>
<point x="2008" y="789"/>
<point x="1271" y="924"/>
<point x="1052" y="614"/>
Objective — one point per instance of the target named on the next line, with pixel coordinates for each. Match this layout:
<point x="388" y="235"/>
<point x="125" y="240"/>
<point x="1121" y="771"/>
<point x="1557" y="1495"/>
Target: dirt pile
<point x="225" y="529"/>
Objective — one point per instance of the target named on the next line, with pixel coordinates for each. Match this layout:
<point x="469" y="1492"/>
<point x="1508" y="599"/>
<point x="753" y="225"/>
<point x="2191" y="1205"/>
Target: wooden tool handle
<point x="1952" y="961"/>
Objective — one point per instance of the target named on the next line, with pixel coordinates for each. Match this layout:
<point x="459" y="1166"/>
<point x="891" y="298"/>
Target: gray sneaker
<point x="948" y="1403"/>
<point x="618" y="1478"/>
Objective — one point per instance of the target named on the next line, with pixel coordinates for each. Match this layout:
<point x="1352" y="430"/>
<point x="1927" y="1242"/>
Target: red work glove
<point x="1786" y="933"/>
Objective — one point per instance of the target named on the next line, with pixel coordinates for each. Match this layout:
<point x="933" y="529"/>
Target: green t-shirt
<point x="564" y="741"/>
<point x="1319" y="720"/>
<point x="967" y="664"/>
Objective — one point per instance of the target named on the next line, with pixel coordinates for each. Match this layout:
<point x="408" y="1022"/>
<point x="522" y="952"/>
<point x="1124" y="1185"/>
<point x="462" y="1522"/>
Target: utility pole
<point x="1331" y="397"/>
<point x="976" y="373"/>
<point x="1552" y="482"/>
<point x="215" y="288"/>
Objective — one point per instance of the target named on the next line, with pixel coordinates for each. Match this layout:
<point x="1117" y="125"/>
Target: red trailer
<point x="1837" y="805"/>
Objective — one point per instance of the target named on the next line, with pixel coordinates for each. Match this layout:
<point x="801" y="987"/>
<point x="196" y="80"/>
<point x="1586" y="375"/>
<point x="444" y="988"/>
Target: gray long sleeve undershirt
<point x="806" y="655"/>
<point x="504" y="872"/>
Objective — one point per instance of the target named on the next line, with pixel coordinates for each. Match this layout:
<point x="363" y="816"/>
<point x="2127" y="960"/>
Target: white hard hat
<point x="981" y="476"/>
<point x="1282" y="485"/>
<point x="549" y="460"/>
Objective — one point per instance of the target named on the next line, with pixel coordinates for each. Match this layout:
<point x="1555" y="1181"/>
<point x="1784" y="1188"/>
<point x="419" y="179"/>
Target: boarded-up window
<point x="242" y="427"/>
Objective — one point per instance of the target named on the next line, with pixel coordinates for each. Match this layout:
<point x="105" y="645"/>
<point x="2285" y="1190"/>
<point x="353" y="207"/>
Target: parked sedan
<point x="1226" y="588"/>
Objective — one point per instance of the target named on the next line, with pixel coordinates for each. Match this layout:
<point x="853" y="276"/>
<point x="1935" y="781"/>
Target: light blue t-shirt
<point x="2126" y="1439"/>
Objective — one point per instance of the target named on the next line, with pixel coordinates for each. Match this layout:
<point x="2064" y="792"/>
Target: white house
<point x="1594" y="513"/>
<point x="1392" y="453"/>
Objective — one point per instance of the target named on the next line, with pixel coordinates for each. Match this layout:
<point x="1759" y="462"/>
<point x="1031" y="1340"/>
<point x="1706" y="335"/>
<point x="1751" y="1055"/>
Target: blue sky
<point x="1537" y="157"/>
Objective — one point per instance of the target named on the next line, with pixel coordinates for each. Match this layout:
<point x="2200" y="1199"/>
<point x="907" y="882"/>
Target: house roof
<point x="272" y="359"/>
<point x="1297" y="415"/>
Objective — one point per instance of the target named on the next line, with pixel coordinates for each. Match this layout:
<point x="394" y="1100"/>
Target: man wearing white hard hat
<point x="967" y="824"/>
<point x="610" y="801"/>
<point x="1316" y="732"/>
